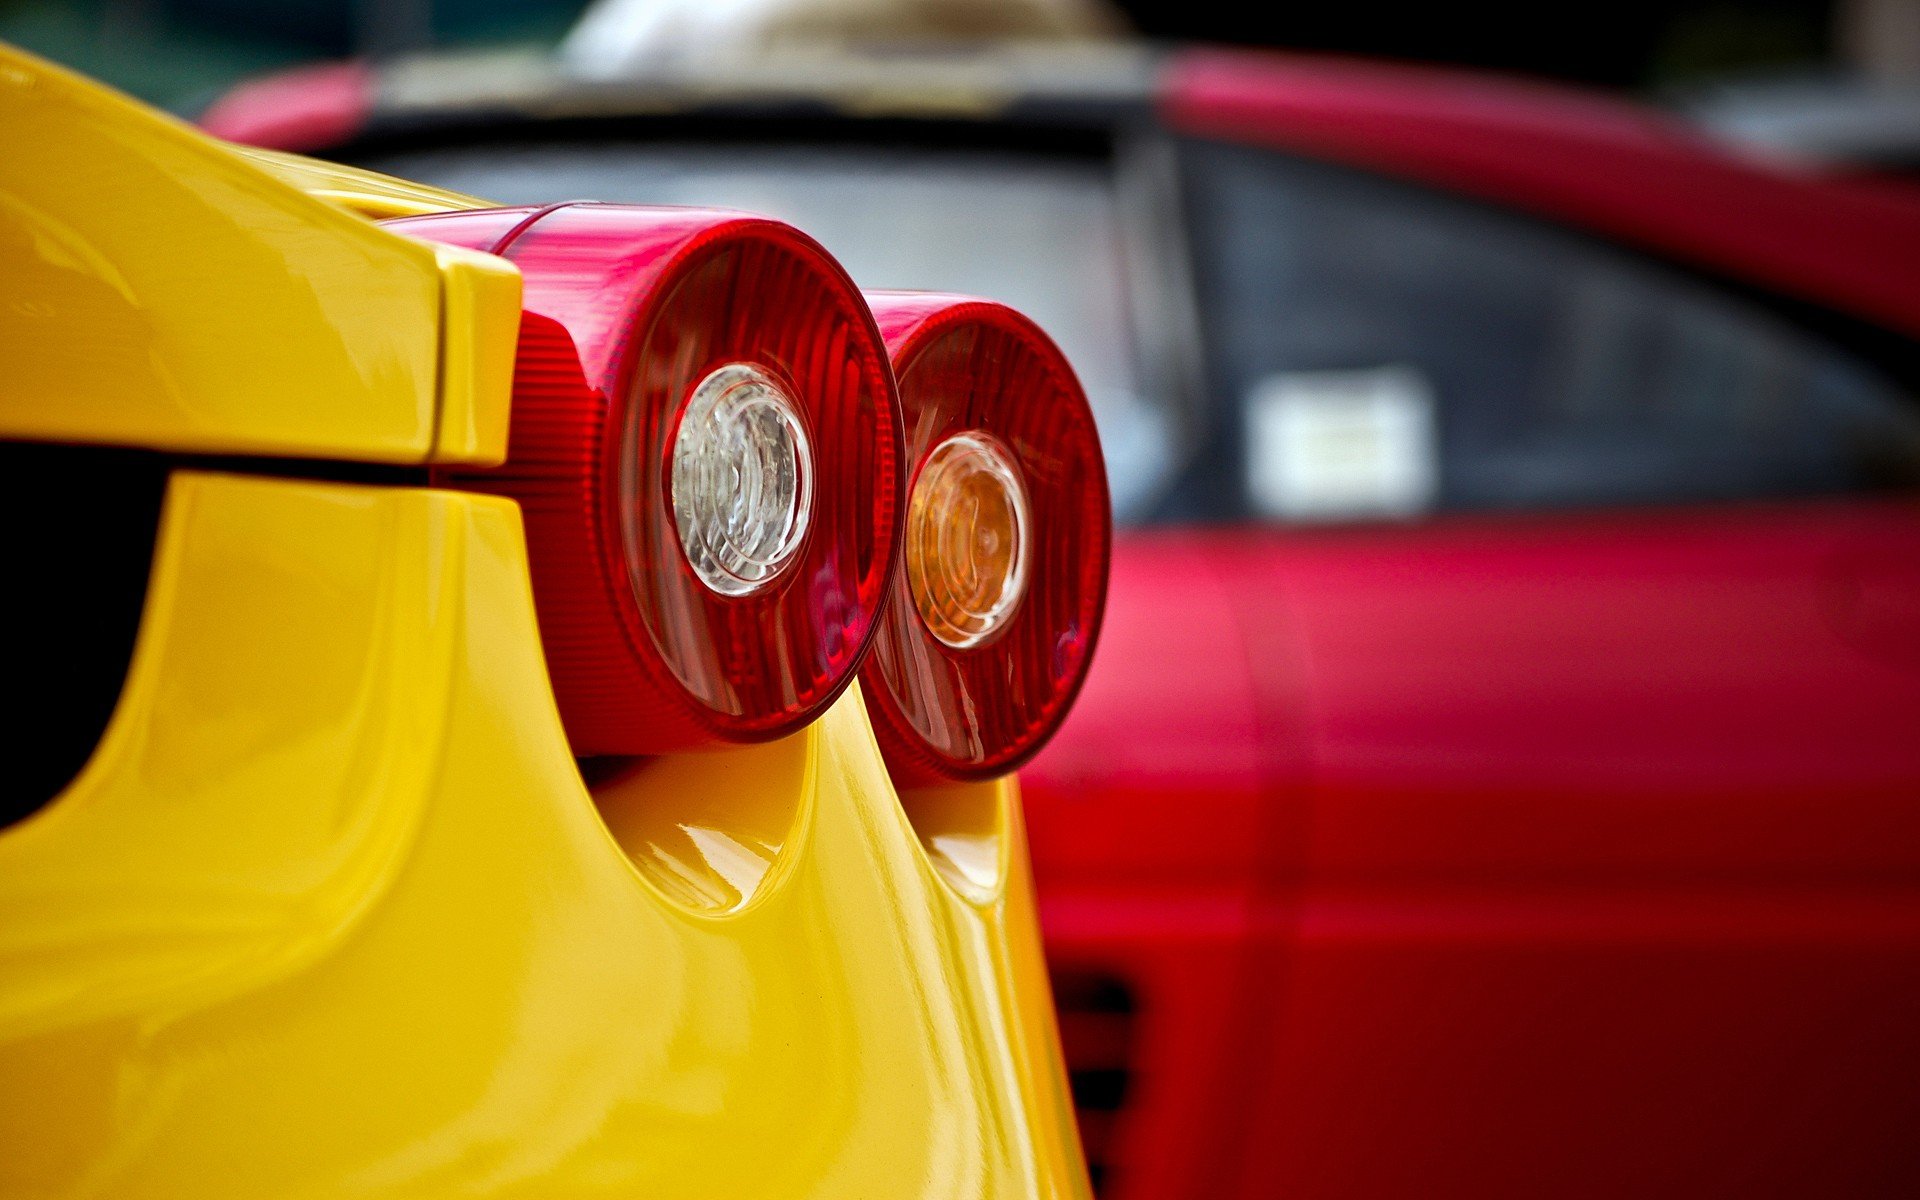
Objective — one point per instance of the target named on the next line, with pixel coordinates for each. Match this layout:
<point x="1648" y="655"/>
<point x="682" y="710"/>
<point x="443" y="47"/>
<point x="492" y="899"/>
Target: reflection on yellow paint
<point x="963" y="827"/>
<point x="166" y="291"/>
<point x="332" y="913"/>
<point x="705" y="828"/>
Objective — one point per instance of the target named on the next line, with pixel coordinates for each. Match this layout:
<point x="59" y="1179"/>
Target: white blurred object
<point x="1835" y="121"/>
<point x="1880" y="38"/>
<point x="1341" y="445"/>
<point x="618" y="35"/>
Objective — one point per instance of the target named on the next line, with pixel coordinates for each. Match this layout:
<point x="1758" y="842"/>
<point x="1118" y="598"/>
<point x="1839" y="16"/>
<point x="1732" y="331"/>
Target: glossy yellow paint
<point x="368" y="193"/>
<point x="479" y="336"/>
<point x="162" y="289"/>
<point x="333" y="913"/>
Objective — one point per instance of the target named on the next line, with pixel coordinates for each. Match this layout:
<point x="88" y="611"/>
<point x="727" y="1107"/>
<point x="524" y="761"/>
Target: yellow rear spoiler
<point x="165" y="290"/>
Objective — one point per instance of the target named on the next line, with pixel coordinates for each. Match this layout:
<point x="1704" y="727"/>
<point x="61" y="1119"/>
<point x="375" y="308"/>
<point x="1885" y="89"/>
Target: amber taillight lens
<point x="998" y="598"/>
<point x="707" y="449"/>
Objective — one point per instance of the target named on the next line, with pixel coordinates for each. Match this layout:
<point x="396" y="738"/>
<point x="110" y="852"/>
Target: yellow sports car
<point x="513" y="701"/>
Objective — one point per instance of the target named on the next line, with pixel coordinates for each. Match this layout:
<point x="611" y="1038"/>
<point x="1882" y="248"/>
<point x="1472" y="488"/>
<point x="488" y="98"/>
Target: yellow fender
<point x="331" y="913"/>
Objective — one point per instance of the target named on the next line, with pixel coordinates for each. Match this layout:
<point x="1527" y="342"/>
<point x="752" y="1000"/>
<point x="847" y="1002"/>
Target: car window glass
<point x="1381" y="350"/>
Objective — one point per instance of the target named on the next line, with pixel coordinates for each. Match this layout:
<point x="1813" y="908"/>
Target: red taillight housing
<point x="706" y="447"/>
<point x="1002" y="581"/>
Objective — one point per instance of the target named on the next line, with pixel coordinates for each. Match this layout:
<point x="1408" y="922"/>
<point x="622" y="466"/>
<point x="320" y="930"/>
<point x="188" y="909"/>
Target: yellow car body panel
<point x="368" y="193"/>
<point x="333" y="911"/>
<point x="180" y="296"/>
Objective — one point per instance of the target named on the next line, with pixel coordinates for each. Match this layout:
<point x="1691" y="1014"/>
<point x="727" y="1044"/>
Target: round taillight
<point x="706" y="447"/>
<point x="1003" y="576"/>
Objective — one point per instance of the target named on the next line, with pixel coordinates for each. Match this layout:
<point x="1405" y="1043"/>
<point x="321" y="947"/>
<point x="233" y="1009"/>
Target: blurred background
<point x="179" y="53"/>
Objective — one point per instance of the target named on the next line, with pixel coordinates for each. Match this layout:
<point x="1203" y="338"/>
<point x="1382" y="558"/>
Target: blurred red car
<point x="1501" y="771"/>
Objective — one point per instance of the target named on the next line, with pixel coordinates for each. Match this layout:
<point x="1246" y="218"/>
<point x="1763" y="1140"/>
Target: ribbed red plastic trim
<point x="941" y="713"/>
<point x="626" y="309"/>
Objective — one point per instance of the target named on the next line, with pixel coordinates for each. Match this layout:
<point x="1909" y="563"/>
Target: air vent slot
<point x="78" y="540"/>
<point x="1097" y="1013"/>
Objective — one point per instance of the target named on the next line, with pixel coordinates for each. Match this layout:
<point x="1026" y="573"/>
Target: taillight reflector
<point x="706" y="446"/>
<point x="998" y="599"/>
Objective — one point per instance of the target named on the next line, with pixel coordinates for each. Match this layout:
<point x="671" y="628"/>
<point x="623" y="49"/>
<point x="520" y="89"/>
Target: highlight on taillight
<point x="706" y="447"/>
<point x="998" y="596"/>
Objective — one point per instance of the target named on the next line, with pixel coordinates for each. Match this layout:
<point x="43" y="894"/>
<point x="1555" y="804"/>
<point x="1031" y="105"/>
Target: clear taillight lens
<point x="706" y="445"/>
<point x="741" y="479"/>
<point x="998" y="599"/>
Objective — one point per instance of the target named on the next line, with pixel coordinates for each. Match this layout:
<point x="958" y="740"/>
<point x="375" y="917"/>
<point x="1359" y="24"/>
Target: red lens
<point x="1002" y="582"/>
<point x="706" y="447"/>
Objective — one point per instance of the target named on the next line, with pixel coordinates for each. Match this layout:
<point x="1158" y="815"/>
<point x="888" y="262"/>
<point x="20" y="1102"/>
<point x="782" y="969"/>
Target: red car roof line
<point x="1583" y="160"/>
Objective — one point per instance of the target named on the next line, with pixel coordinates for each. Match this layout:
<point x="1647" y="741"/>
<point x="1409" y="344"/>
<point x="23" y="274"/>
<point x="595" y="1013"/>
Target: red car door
<point x="1605" y="879"/>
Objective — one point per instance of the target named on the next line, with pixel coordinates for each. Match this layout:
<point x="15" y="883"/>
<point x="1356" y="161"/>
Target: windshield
<point x="1039" y="233"/>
